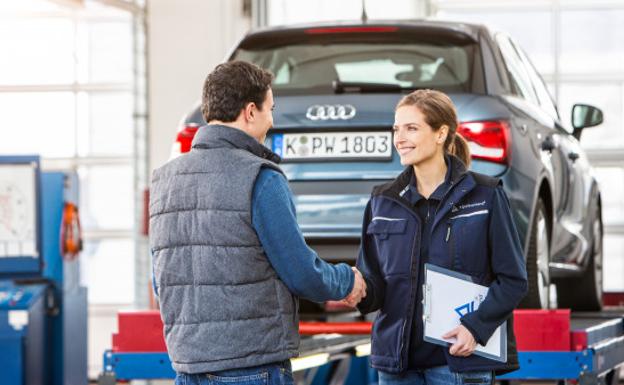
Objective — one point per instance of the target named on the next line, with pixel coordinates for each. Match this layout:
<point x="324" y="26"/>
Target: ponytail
<point x="459" y="148"/>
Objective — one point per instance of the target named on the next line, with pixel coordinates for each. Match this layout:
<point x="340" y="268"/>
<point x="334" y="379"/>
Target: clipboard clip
<point x="427" y="302"/>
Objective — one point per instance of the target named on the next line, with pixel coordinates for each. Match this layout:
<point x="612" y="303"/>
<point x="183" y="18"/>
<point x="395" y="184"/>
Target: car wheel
<point x="538" y="258"/>
<point x="585" y="292"/>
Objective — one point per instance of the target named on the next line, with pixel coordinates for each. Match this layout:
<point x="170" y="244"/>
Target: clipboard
<point x="448" y="296"/>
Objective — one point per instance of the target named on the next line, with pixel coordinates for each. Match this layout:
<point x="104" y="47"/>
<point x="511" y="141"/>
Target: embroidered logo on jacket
<point x="469" y="205"/>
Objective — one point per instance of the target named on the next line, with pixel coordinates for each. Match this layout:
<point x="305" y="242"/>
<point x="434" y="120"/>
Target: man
<point x="229" y="259"/>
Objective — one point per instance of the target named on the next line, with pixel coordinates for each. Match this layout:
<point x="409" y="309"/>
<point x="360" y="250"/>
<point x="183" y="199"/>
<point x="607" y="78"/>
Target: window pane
<point x="537" y="41"/>
<point x="405" y="62"/>
<point x="613" y="262"/>
<point x="545" y="100"/>
<point x="591" y="41"/>
<point x="106" y="197"/>
<point x="611" y="181"/>
<point x="110" y="52"/>
<point x="29" y="6"/>
<point x="517" y="70"/>
<point x="37" y="51"/>
<point x="607" y="97"/>
<point x="551" y="89"/>
<point x="108" y="270"/>
<point x="38" y="123"/>
<point x="106" y="125"/>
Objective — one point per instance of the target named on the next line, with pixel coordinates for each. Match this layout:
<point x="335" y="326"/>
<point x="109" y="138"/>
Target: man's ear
<point x="250" y="112"/>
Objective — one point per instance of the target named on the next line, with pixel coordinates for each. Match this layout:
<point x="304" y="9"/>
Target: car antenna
<point x="364" y="16"/>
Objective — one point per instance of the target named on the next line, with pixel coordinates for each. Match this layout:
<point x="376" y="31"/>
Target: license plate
<point x="343" y="145"/>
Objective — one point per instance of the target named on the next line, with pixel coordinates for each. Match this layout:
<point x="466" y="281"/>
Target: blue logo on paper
<point x="465" y="309"/>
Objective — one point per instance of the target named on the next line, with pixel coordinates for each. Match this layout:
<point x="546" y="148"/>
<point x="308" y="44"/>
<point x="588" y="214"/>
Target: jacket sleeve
<point x="508" y="267"/>
<point x="297" y="265"/>
<point x="367" y="263"/>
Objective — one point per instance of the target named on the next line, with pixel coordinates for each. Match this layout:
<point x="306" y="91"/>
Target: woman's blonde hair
<point x="440" y="110"/>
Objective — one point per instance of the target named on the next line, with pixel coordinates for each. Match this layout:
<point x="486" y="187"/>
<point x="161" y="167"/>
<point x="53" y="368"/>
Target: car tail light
<point x="184" y="139"/>
<point x="488" y="140"/>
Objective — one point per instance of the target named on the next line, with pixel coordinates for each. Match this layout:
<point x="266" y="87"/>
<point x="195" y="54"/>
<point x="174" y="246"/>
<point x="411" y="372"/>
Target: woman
<point x="437" y="212"/>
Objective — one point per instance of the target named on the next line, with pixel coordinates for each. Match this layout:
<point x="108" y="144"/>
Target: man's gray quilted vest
<point x="221" y="302"/>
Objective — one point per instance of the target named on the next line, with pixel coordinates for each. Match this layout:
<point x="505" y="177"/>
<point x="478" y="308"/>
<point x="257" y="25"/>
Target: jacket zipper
<point x="452" y="185"/>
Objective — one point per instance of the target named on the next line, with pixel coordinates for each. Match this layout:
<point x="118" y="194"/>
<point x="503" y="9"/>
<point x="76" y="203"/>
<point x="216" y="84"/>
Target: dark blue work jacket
<point x="472" y="232"/>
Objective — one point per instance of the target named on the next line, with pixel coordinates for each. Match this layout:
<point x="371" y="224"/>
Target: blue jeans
<point x="439" y="375"/>
<point x="272" y="374"/>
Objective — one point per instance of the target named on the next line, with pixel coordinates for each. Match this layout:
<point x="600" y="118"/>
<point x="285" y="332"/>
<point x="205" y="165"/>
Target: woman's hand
<point x="465" y="344"/>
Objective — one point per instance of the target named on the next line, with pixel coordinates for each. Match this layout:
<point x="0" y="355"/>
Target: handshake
<point x="359" y="290"/>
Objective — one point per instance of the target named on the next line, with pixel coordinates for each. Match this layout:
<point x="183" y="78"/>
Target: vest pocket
<point x="467" y="241"/>
<point x="382" y="227"/>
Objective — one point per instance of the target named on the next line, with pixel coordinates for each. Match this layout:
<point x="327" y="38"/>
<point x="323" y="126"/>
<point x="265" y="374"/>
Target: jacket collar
<point x="461" y="182"/>
<point x="220" y="136"/>
<point x="402" y="182"/>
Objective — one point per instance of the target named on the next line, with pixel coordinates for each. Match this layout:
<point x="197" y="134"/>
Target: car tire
<point x="584" y="293"/>
<point x="538" y="258"/>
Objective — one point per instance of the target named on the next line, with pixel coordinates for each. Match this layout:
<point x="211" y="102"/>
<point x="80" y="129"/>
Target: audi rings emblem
<point x="331" y="112"/>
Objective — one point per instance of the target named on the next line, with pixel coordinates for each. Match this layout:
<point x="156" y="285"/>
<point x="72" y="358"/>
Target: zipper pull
<point x="448" y="233"/>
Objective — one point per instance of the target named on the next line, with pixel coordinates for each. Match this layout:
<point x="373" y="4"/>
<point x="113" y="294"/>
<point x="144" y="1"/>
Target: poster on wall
<point x="18" y="222"/>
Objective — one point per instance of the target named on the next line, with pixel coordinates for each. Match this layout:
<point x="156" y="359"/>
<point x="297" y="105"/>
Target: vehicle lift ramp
<point x="553" y="345"/>
<point x="595" y="346"/>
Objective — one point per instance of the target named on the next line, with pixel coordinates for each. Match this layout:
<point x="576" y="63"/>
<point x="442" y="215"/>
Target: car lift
<point x="339" y="347"/>
<point x="553" y="345"/>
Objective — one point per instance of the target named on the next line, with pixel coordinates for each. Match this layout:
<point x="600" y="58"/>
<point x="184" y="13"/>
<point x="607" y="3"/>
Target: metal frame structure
<point x="599" y="338"/>
<point x="334" y="354"/>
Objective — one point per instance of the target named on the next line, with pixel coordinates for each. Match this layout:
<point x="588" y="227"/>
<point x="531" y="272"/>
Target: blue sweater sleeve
<point x="509" y="270"/>
<point x="297" y="265"/>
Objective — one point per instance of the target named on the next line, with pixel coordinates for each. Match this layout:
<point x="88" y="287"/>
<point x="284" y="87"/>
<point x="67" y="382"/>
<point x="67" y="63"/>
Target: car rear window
<point x="312" y="67"/>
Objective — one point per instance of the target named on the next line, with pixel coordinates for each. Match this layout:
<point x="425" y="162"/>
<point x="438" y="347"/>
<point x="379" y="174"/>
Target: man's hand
<point x="359" y="289"/>
<point x="465" y="344"/>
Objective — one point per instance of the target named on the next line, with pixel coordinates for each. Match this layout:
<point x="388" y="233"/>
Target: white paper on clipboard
<point x="449" y="295"/>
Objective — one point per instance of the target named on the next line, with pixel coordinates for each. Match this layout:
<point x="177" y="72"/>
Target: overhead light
<point x="69" y="3"/>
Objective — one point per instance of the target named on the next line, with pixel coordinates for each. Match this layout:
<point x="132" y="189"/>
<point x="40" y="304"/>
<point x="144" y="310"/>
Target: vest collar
<point x="221" y="136"/>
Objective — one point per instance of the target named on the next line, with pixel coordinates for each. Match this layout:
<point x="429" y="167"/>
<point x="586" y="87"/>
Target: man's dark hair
<point x="230" y="87"/>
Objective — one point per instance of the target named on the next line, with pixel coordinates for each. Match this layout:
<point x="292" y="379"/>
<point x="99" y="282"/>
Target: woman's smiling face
<point x="413" y="138"/>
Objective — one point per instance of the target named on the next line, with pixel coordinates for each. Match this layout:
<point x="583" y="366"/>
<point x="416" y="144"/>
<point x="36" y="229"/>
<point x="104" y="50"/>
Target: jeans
<point x="439" y="375"/>
<point x="272" y="374"/>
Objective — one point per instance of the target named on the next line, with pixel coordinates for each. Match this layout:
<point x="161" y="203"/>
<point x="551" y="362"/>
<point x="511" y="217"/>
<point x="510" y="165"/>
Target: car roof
<point x="280" y="35"/>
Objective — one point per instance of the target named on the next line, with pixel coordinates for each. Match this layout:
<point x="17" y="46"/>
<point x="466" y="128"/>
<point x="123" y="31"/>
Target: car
<point x="336" y="86"/>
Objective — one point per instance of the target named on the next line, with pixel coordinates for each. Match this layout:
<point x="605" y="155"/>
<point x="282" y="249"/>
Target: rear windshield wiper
<point x="354" y="87"/>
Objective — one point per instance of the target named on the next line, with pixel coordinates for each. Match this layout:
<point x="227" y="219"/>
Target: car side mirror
<point x="584" y="115"/>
